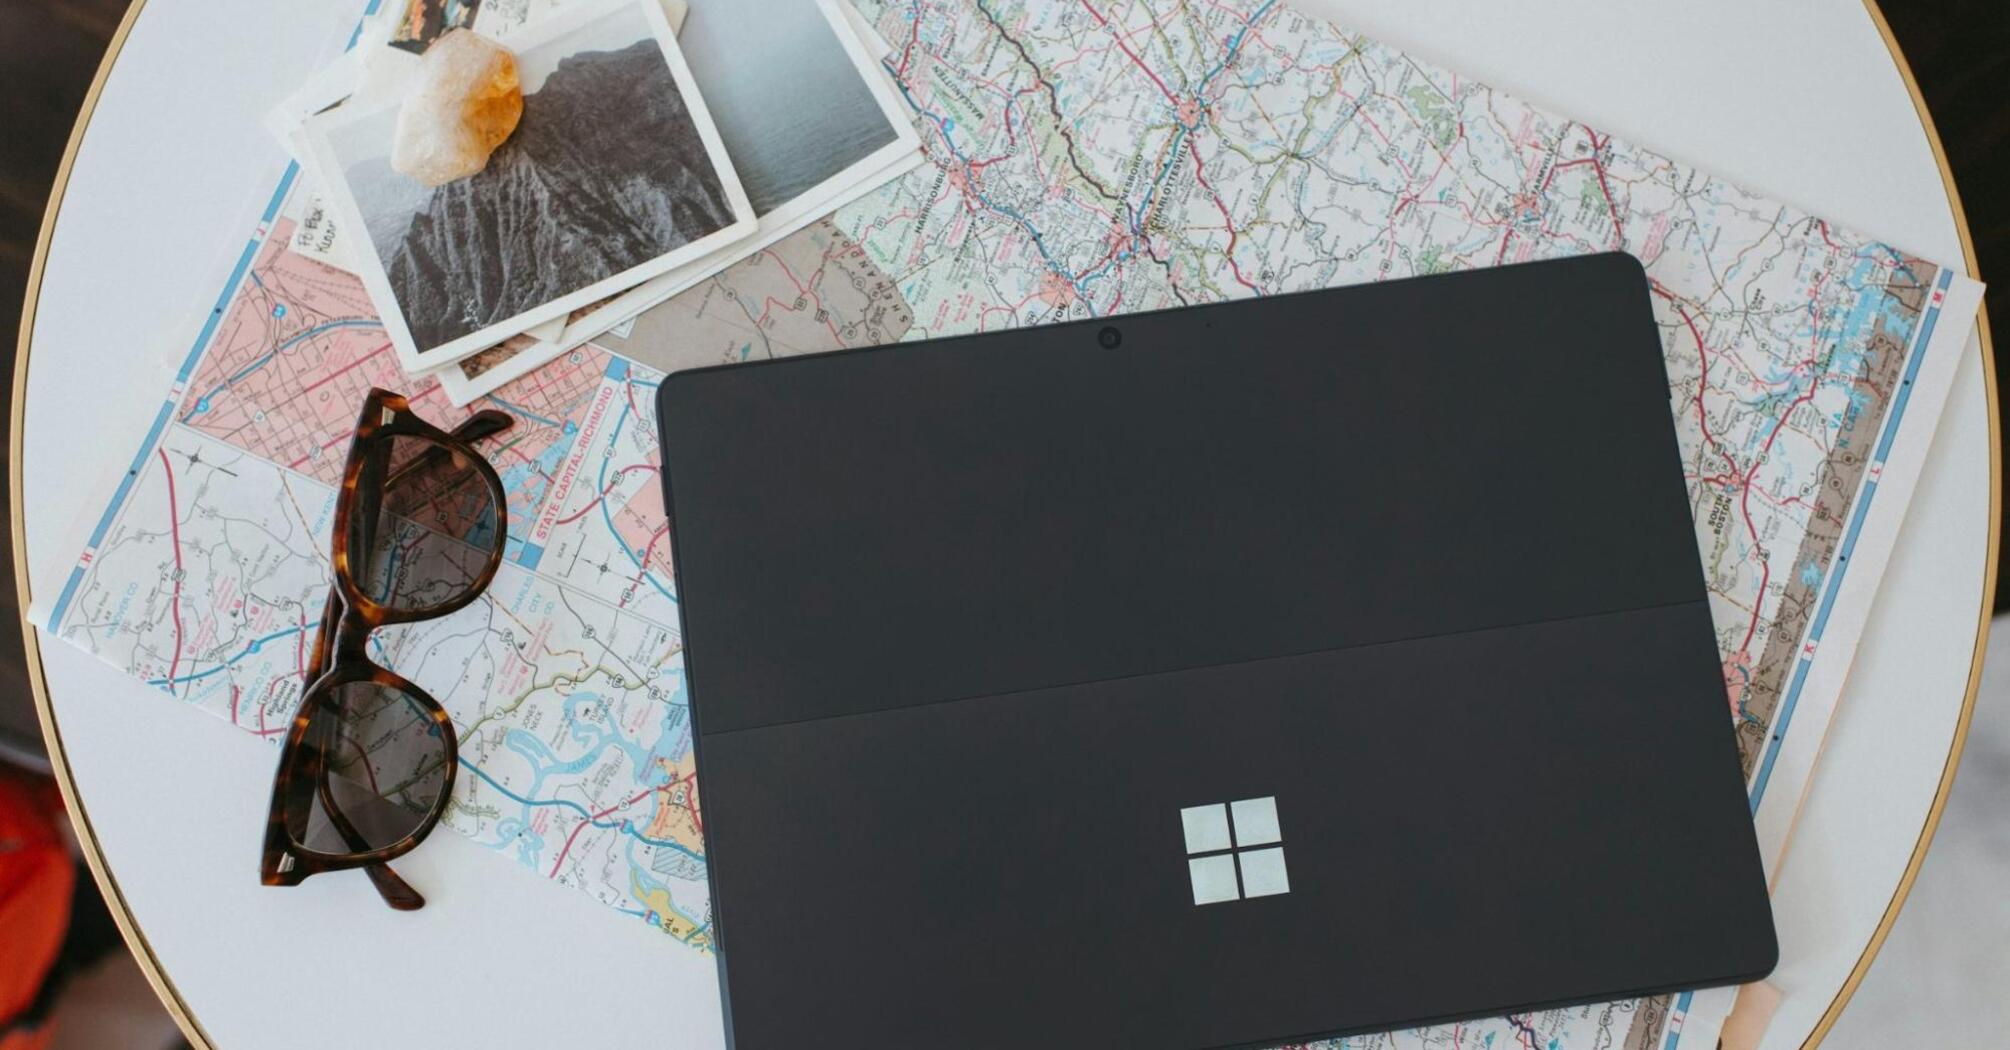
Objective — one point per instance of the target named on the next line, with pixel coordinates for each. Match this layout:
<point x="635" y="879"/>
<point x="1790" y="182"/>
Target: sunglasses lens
<point x="385" y="763"/>
<point x="425" y="526"/>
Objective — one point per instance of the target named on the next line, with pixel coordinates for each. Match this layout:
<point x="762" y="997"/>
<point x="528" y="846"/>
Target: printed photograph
<point x="804" y="145"/>
<point x="613" y="174"/>
<point x="788" y="134"/>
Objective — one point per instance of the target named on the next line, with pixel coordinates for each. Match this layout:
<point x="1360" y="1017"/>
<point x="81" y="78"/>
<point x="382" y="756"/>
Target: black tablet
<point x="1213" y="677"/>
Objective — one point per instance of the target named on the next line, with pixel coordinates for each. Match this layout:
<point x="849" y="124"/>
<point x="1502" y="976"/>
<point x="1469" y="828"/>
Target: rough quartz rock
<point x="465" y="102"/>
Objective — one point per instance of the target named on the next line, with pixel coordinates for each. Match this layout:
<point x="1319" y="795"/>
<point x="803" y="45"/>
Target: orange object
<point x="36" y="879"/>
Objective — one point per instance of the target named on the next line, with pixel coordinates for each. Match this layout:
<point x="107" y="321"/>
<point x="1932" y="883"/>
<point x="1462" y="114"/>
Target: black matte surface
<point x="968" y="622"/>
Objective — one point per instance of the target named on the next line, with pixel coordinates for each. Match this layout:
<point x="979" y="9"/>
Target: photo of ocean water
<point x="790" y="104"/>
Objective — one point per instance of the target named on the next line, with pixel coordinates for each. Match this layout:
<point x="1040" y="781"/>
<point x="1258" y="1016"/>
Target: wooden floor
<point x="49" y="49"/>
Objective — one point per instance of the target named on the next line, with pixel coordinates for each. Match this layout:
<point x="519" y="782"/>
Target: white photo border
<point x="868" y="173"/>
<point x="414" y="359"/>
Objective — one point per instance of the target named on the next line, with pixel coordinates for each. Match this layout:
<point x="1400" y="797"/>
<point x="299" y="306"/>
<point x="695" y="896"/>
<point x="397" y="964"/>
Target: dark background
<point x="49" y="50"/>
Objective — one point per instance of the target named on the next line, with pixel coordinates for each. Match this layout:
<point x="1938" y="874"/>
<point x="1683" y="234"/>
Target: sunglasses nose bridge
<point x="352" y="637"/>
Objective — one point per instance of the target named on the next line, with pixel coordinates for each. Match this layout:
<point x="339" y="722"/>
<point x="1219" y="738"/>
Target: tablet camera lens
<point x="1110" y="338"/>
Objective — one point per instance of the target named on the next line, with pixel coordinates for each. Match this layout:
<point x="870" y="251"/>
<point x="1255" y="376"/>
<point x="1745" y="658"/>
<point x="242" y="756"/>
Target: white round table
<point x="1809" y="103"/>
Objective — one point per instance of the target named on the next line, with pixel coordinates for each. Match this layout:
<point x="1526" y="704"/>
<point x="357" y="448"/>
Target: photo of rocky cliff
<point x="605" y="172"/>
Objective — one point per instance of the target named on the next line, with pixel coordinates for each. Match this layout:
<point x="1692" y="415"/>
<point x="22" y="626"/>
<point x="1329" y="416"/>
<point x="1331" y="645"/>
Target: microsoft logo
<point x="1220" y="859"/>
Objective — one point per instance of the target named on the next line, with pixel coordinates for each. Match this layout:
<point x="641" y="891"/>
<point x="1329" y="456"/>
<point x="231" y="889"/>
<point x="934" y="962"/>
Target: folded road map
<point x="1083" y="158"/>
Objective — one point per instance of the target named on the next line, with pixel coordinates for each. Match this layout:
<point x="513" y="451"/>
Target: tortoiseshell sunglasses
<point x="368" y="765"/>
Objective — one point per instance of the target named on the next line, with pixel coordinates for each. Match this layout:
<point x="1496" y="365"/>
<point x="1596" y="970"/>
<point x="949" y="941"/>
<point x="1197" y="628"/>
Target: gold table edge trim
<point x="1967" y="715"/>
<point x="52" y="735"/>
<point x="184" y="1017"/>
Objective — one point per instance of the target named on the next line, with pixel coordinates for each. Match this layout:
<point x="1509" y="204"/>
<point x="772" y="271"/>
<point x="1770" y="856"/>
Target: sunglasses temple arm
<point x="486" y="423"/>
<point x="396" y="892"/>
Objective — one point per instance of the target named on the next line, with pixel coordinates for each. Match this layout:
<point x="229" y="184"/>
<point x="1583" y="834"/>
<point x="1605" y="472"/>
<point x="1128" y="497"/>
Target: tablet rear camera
<point x="1110" y="338"/>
